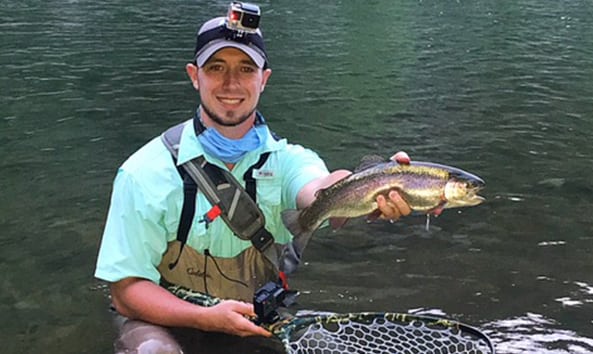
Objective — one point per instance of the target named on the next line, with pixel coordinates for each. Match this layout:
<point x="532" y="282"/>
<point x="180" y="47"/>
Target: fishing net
<point x="367" y="332"/>
<point x="379" y="333"/>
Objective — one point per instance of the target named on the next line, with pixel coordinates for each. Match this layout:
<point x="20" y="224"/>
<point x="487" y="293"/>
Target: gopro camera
<point x="243" y="17"/>
<point x="268" y="299"/>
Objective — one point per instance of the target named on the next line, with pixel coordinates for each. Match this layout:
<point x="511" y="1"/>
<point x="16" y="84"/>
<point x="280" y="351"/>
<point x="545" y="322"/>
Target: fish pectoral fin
<point x="337" y="223"/>
<point x="437" y="211"/>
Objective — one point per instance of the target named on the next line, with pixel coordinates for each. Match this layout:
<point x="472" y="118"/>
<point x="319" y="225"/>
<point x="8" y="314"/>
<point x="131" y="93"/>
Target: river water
<point x="502" y="89"/>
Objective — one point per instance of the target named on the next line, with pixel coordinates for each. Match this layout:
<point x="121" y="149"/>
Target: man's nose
<point x="231" y="77"/>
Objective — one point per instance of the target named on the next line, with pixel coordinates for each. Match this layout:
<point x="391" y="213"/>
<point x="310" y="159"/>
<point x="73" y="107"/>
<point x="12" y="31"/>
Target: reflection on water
<point x="499" y="89"/>
<point x="534" y="333"/>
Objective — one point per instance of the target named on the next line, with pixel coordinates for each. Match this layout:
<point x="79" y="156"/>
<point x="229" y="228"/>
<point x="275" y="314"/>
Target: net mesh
<point x="372" y="333"/>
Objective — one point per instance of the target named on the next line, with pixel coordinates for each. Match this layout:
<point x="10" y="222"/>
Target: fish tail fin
<point x="292" y="252"/>
<point x="290" y="218"/>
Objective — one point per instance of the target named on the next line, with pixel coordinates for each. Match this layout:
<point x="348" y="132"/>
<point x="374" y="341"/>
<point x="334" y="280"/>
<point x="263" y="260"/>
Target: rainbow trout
<point x="428" y="188"/>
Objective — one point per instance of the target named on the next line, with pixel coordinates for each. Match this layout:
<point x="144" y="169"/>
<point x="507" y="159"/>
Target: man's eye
<point x="215" y="67"/>
<point x="248" y="69"/>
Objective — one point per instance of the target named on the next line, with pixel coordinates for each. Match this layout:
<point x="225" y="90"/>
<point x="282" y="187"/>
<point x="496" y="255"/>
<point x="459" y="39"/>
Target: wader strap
<point x="190" y="189"/>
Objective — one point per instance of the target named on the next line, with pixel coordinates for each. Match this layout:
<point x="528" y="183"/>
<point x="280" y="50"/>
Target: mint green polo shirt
<point x="147" y="199"/>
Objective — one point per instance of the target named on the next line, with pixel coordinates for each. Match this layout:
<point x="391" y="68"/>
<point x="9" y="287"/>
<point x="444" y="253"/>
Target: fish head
<point x="461" y="190"/>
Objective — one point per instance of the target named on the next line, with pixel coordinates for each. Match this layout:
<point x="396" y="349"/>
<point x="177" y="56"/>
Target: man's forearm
<point x="142" y="299"/>
<point x="308" y="193"/>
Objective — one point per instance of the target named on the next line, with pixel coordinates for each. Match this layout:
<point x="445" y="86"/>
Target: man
<point x="139" y="249"/>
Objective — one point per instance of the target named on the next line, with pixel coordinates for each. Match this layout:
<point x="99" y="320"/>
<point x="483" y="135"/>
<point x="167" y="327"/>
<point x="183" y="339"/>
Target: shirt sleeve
<point x="134" y="238"/>
<point x="302" y="166"/>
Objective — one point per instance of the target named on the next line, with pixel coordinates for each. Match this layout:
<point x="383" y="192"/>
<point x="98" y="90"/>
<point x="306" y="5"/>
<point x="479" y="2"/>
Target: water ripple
<point x="534" y="333"/>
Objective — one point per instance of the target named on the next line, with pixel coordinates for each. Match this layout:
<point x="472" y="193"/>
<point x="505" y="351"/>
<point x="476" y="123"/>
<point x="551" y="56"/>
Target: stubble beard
<point x="234" y="121"/>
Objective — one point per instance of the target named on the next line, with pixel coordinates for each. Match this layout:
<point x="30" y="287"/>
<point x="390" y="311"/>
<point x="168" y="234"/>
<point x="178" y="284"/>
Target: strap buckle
<point x="262" y="239"/>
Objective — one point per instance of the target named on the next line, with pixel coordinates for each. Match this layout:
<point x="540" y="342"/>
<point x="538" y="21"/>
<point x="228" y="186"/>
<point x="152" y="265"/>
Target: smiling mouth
<point x="230" y="101"/>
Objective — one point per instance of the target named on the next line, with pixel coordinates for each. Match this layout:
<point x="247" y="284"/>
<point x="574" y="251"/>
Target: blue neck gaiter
<point x="231" y="150"/>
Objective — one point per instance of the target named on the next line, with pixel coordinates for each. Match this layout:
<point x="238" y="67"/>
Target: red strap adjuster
<point x="212" y="214"/>
<point x="283" y="279"/>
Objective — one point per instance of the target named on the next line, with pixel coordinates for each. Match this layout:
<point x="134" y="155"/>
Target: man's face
<point x="230" y="85"/>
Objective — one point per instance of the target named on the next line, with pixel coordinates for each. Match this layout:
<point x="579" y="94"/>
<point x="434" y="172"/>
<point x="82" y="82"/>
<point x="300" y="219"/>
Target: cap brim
<point x="219" y="44"/>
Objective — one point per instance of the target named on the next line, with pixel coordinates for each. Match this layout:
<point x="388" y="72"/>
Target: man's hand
<point x="232" y="317"/>
<point x="395" y="206"/>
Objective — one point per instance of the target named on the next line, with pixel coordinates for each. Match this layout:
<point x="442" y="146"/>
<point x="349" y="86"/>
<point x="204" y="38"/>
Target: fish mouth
<point x="475" y="200"/>
<point x="472" y="197"/>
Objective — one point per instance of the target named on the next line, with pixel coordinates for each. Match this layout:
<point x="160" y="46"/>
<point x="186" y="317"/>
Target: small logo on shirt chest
<point x="263" y="174"/>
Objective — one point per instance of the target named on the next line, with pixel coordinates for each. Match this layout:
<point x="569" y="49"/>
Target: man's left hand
<point x="395" y="206"/>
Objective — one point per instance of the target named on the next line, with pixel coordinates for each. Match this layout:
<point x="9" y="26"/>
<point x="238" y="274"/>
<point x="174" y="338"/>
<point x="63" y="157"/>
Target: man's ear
<point x="192" y="72"/>
<point x="265" y="77"/>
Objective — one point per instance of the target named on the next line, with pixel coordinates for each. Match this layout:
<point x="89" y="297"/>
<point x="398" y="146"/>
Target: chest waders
<point x="238" y="277"/>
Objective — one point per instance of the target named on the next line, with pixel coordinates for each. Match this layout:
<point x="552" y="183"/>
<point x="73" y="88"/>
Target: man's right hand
<point x="233" y="317"/>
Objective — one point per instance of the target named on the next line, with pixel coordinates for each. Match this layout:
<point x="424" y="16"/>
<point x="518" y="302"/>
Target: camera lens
<point x="250" y="21"/>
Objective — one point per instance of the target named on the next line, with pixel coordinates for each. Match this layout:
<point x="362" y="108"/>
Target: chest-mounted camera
<point x="243" y="17"/>
<point x="268" y="299"/>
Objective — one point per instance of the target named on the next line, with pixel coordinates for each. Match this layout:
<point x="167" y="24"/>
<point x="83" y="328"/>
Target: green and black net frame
<point x="366" y="332"/>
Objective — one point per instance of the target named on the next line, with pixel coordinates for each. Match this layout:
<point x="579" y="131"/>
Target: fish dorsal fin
<point x="369" y="161"/>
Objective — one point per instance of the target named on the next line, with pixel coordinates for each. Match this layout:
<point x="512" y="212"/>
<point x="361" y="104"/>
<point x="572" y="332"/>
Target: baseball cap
<point x="215" y="35"/>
